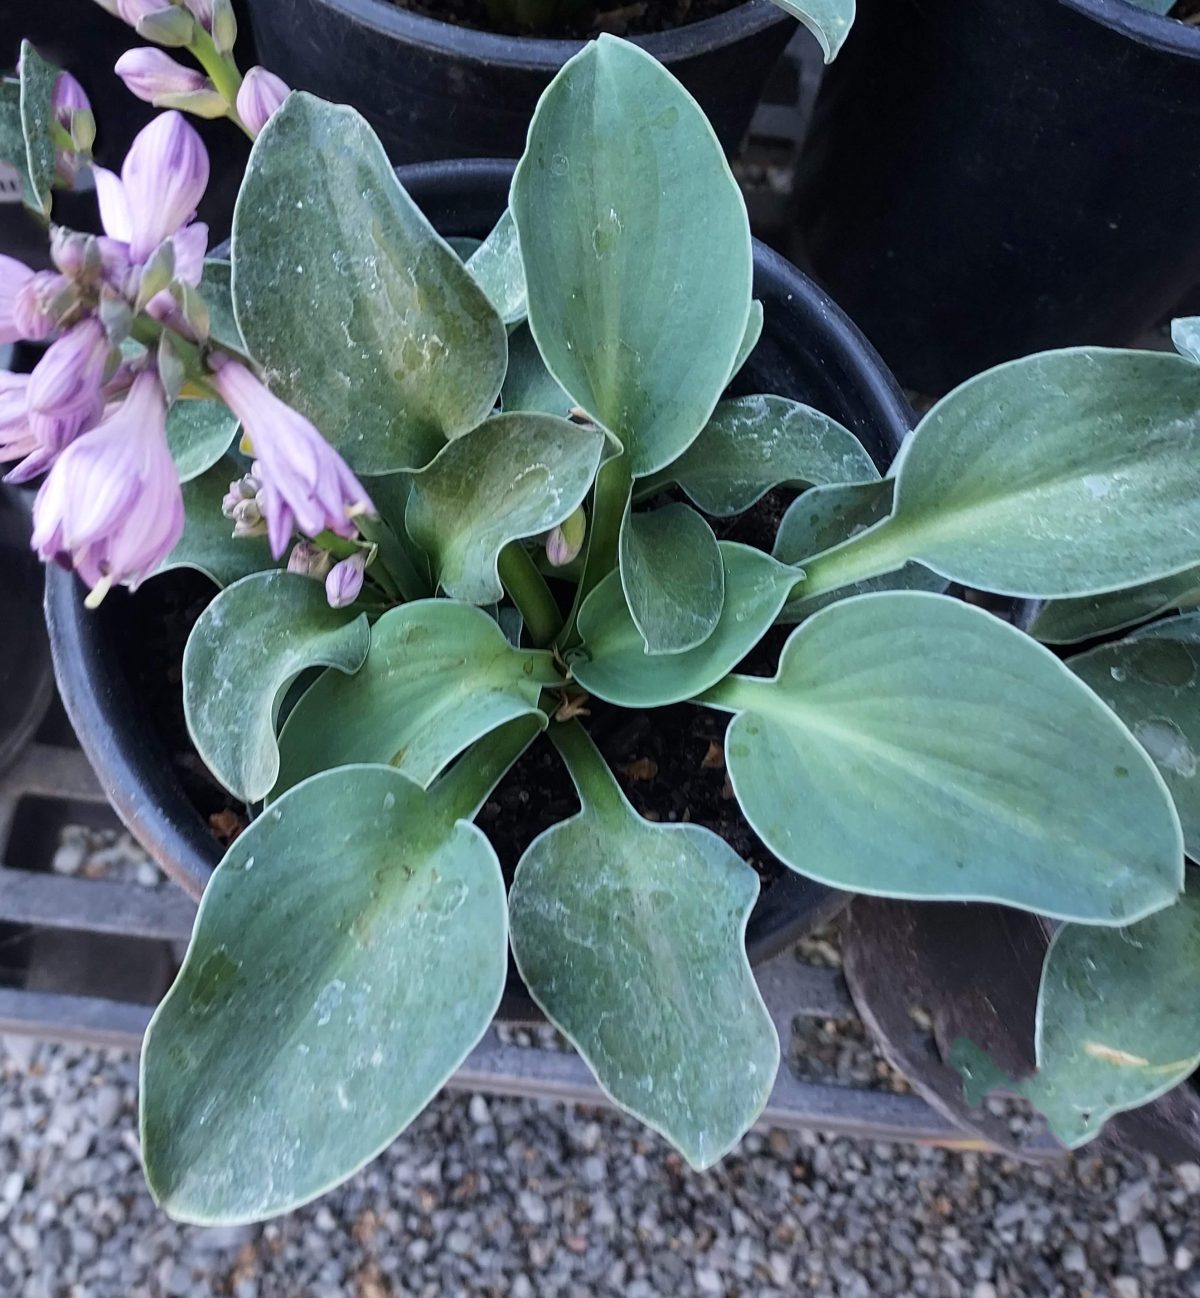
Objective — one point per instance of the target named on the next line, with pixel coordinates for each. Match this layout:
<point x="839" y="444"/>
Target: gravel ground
<point x="520" y="1198"/>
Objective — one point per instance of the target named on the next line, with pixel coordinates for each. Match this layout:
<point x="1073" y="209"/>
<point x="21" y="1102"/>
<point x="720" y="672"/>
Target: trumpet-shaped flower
<point x="162" y="180"/>
<point x="111" y="507"/>
<point x="345" y="581"/>
<point x="14" y="275"/>
<point x="305" y="484"/>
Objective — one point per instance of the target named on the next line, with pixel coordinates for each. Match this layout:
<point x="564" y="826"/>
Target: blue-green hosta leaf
<point x="529" y="385"/>
<point x="1185" y="335"/>
<point x="827" y="516"/>
<point x="497" y="268"/>
<point x="199" y="433"/>
<point x="630" y="936"/>
<point x="752" y="444"/>
<point x="1068" y="473"/>
<point x="12" y="137"/>
<point x="246" y="648"/>
<point x="515" y="476"/>
<point x="1151" y="680"/>
<point x="914" y="746"/>
<point x="754" y="328"/>
<point x="672" y="576"/>
<point x="208" y="543"/>
<point x="614" y="664"/>
<point x="439" y="676"/>
<point x="1067" y="621"/>
<point x="639" y="307"/>
<point x="216" y="288"/>
<point x="348" y="953"/>
<point x="37" y="120"/>
<point x="360" y="313"/>
<point x="1118" y="1022"/>
<point x="828" y="20"/>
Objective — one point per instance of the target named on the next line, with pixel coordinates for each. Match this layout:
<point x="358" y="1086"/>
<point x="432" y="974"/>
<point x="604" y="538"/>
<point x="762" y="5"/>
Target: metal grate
<point x="57" y="780"/>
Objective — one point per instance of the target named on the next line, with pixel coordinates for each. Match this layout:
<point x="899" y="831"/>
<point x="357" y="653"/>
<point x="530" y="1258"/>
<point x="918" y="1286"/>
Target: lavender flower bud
<point x="69" y="376"/>
<point x="133" y="11"/>
<point x="115" y="315"/>
<point x="162" y="179"/>
<point x="241" y="506"/>
<point x="14" y="275"/>
<point x="306" y="485"/>
<point x="202" y="11"/>
<point x="76" y="255"/>
<point x="156" y="274"/>
<point x="565" y="541"/>
<point x="261" y="94"/>
<point x="345" y="581"/>
<point x="41" y="304"/>
<point x="222" y="24"/>
<point x="111" y="507"/>
<point x="73" y="112"/>
<point x="151" y="73"/>
<point x="309" y="560"/>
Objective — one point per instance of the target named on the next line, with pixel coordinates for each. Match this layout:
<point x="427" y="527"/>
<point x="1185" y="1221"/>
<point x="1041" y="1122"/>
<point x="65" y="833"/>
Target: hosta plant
<point x="450" y="503"/>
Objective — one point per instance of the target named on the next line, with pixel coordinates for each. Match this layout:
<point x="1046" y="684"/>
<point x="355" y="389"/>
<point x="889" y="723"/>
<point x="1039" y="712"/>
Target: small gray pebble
<point x="1152" y="1251"/>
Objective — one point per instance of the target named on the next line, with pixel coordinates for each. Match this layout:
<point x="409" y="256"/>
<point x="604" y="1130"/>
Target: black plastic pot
<point x="809" y="350"/>
<point x="26" y="683"/>
<point x="989" y="178"/>
<point x="437" y="90"/>
<point x="87" y="42"/>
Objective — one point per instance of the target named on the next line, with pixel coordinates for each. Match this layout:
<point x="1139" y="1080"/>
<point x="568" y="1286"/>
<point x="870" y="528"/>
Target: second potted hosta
<point x="504" y="525"/>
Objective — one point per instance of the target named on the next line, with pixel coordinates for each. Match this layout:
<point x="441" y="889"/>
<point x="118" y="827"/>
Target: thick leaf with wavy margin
<point x="216" y="288"/>
<point x="360" y="313"/>
<point x="529" y="385"/>
<point x="1151" y="680"/>
<point x="1067" y="621"/>
<point x="639" y="307"/>
<point x="1185" y="337"/>
<point x="208" y="543"/>
<point x="497" y="268"/>
<point x="37" y="122"/>
<point x="348" y="953"/>
<point x="630" y="936"/>
<point x="914" y="746"/>
<point x="439" y="676"/>
<point x="1118" y="1022"/>
<point x="672" y="576"/>
<point x="1068" y="473"/>
<point x="825" y="517"/>
<point x="752" y="444"/>
<point x="199" y="433"/>
<point x="614" y="665"/>
<point x="515" y="476"/>
<point x="246" y="648"/>
<point x="828" y="20"/>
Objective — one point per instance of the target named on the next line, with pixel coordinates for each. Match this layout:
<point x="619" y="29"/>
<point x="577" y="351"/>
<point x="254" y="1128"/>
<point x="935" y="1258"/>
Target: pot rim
<point x="1158" y="31"/>
<point x="535" y="53"/>
<point x="145" y="793"/>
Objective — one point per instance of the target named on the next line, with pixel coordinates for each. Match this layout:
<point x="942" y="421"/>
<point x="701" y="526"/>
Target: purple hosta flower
<point x="306" y="486"/>
<point x="162" y="180"/>
<point x="261" y="94"/>
<point x="65" y="395"/>
<point x="308" y="559"/>
<point x="345" y="581"/>
<point x="152" y="74"/>
<point x="41" y="303"/>
<point x="133" y="11"/>
<point x="14" y="275"/>
<point x="201" y="11"/>
<point x="72" y="111"/>
<point x="16" y="439"/>
<point x="111" y="507"/>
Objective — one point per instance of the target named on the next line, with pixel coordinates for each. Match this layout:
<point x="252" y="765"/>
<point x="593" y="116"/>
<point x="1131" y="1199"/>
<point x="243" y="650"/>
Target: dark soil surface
<point x="635" y="19"/>
<point x="669" y="761"/>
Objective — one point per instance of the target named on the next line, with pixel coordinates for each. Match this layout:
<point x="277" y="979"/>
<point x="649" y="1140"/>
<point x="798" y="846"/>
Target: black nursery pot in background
<point x="989" y="178"/>
<point x="808" y="351"/>
<point x="437" y="90"/>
